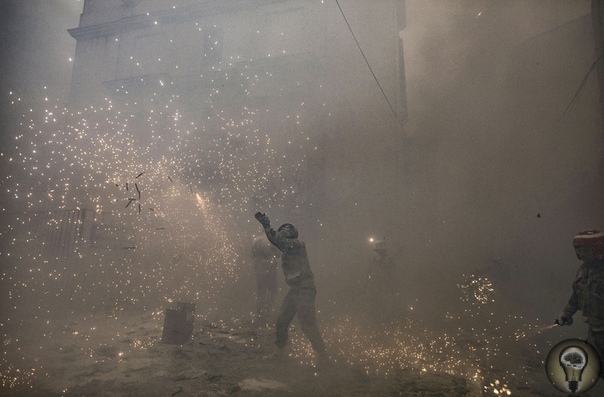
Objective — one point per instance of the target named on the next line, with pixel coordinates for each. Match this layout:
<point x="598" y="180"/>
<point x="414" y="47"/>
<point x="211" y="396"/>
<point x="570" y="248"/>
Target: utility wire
<point x="367" y="62"/>
<point x="582" y="85"/>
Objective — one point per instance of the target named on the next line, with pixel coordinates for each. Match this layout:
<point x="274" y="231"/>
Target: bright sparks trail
<point x="129" y="175"/>
<point x="223" y="247"/>
<point x="521" y="335"/>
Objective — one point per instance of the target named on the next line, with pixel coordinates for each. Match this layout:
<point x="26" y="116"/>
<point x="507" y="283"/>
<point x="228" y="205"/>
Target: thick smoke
<point x="36" y="48"/>
<point x="476" y="190"/>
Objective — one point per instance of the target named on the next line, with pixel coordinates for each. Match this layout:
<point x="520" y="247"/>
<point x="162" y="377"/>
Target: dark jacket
<point x="588" y="294"/>
<point x="294" y="259"/>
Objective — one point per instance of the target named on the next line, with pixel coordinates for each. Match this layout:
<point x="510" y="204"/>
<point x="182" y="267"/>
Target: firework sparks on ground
<point x="479" y="343"/>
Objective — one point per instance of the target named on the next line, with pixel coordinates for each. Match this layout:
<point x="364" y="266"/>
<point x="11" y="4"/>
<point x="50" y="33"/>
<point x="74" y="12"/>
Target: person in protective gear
<point x="264" y="259"/>
<point x="588" y="287"/>
<point x="379" y="285"/>
<point x="300" y="299"/>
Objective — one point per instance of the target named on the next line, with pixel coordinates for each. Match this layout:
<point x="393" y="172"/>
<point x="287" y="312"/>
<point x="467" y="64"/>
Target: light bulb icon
<point x="573" y="366"/>
<point x="573" y="360"/>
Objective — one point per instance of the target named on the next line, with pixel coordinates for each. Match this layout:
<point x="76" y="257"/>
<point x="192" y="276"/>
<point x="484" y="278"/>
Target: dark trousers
<point x="300" y="301"/>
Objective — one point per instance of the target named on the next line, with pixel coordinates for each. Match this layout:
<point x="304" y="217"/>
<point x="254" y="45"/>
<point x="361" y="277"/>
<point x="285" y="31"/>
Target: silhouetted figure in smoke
<point x="264" y="258"/>
<point x="300" y="299"/>
<point x="497" y="277"/>
<point x="588" y="287"/>
<point x="380" y="285"/>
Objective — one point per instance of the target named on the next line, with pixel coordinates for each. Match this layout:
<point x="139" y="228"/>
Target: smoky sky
<point x="36" y="47"/>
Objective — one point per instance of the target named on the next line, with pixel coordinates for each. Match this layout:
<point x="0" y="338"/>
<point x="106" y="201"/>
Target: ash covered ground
<point x="118" y="352"/>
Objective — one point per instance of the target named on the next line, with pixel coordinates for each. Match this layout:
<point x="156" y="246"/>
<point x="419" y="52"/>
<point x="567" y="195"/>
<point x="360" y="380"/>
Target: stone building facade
<point x="195" y="46"/>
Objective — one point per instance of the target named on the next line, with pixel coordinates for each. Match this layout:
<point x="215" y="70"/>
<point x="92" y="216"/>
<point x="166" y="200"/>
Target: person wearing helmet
<point x="588" y="287"/>
<point x="300" y="299"/>
<point x="379" y="285"/>
<point x="264" y="259"/>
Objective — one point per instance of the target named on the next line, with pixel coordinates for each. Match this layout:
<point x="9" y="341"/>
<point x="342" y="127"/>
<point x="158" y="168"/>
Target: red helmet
<point x="593" y="238"/>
